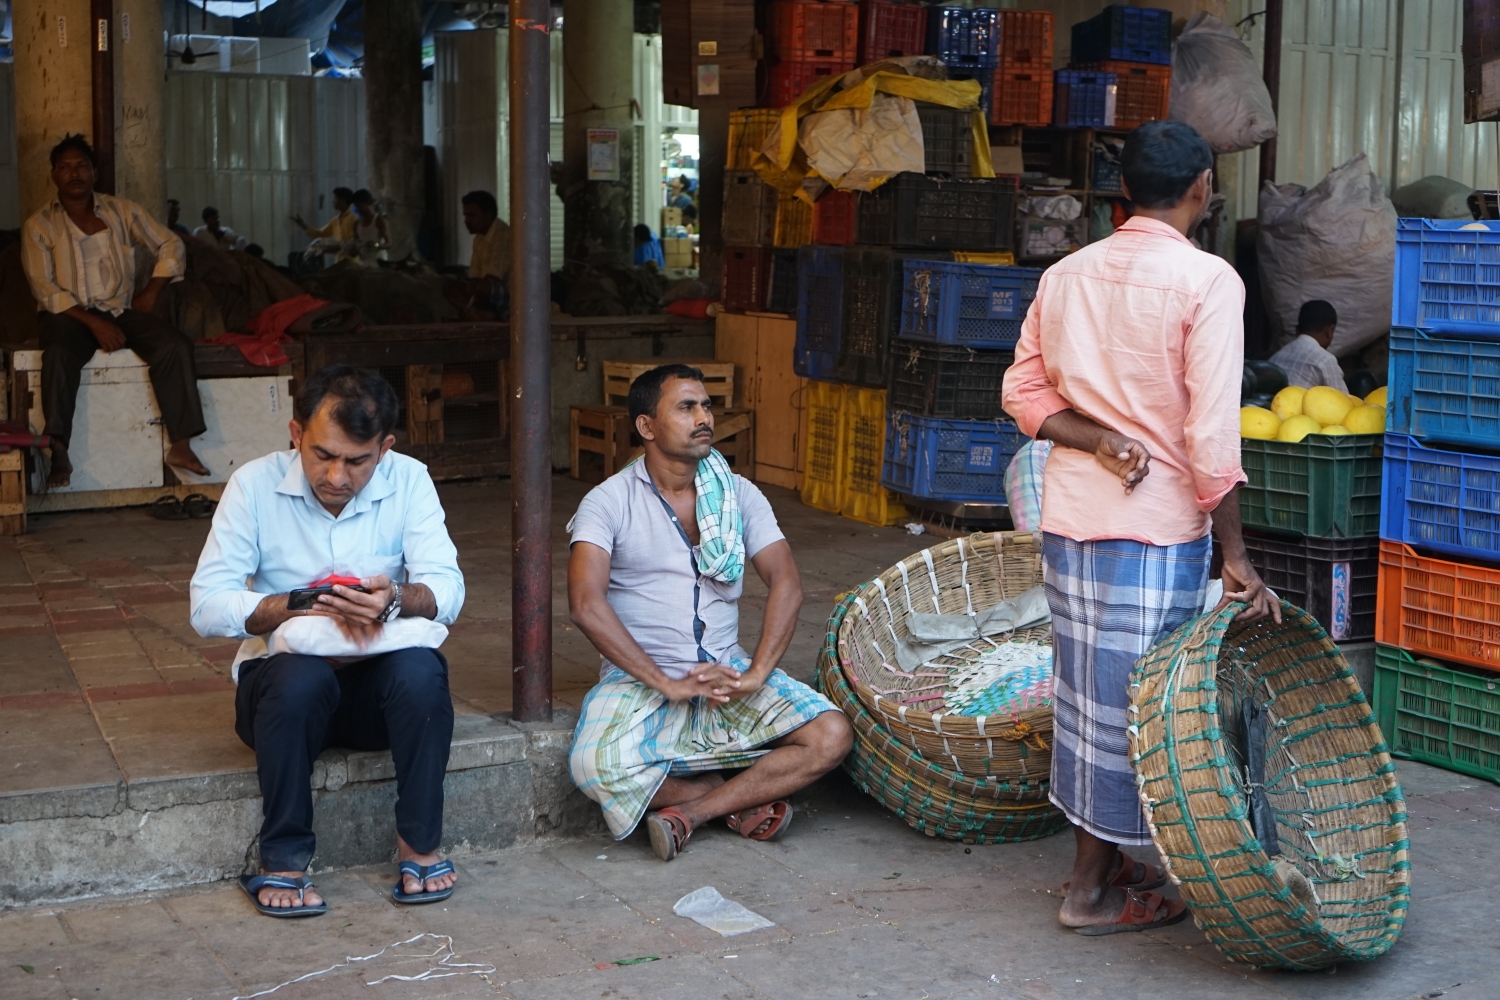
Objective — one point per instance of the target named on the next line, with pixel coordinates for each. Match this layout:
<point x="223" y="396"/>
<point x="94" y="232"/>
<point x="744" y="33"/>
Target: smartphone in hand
<point x="304" y="598"/>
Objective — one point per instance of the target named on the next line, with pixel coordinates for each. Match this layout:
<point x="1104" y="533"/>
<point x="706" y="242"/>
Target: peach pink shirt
<point x="1143" y="332"/>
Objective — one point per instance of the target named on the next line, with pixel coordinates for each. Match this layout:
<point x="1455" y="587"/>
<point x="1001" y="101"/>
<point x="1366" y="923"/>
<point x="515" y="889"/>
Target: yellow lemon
<point x="1366" y="420"/>
<point x="1335" y="430"/>
<point x="1288" y="402"/>
<point x="1297" y="428"/>
<point x="1376" y="398"/>
<point x="1326" y="405"/>
<point x="1258" y="423"/>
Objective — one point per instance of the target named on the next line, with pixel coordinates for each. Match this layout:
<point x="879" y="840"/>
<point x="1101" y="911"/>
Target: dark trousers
<point x="289" y="708"/>
<point x="67" y="345"/>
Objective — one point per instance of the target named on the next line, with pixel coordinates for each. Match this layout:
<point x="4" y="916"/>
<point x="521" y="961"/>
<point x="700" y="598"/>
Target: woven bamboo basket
<point x="930" y="799"/>
<point x="962" y="575"/>
<point x="1339" y="889"/>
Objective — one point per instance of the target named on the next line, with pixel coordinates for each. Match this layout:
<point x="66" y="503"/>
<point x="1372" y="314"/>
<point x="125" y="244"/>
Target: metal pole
<point x="1271" y="67"/>
<point x="101" y="24"/>
<point x="530" y="353"/>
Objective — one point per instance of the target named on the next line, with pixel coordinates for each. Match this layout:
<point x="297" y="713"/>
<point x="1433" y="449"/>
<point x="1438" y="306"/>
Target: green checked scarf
<point x="721" y="530"/>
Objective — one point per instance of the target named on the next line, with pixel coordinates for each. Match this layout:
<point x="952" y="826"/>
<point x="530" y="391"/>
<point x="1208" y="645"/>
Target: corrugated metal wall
<point x="655" y="116"/>
<point x="261" y="148"/>
<point x="10" y="178"/>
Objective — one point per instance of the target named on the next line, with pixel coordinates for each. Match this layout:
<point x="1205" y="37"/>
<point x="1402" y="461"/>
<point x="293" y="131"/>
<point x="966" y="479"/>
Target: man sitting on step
<point x="341" y="503"/>
<point x="655" y="572"/>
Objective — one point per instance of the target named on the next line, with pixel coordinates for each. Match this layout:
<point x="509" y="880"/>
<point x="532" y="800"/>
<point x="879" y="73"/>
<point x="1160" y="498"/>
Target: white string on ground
<point x="447" y="962"/>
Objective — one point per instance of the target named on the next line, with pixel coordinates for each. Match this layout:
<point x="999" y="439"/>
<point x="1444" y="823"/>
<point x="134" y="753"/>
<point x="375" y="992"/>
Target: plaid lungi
<point x="630" y="738"/>
<point x="1111" y="600"/>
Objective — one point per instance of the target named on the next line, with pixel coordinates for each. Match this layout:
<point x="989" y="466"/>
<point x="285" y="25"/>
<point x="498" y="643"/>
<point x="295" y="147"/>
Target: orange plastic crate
<point x="1021" y="97"/>
<point x="834" y="216"/>
<point x="1026" y="39"/>
<point x="1437" y="607"/>
<point x="786" y="81"/>
<point x="1142" y="90"/>
<point x="813" y="31"/>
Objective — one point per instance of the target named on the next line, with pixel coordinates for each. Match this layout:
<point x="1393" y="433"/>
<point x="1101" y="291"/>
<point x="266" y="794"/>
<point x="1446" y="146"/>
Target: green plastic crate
<point x="1439" y="715"/>
<point x="1321" y="486"/>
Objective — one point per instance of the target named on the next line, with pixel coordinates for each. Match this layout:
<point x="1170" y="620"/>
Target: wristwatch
<point x="393" y="609"/>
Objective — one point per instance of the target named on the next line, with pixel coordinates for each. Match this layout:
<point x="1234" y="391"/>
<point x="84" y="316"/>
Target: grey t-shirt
<point x="651" y="575"/>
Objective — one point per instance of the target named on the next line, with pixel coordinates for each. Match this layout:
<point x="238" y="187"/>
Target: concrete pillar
<point x="140" y="83"/>
<point x="598" y="86"/>
<point x="52" y="47"/>
<point x="393" y="114"/>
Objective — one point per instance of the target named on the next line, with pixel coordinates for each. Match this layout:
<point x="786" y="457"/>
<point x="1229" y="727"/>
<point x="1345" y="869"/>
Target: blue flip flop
<point x="253" y="884"/>
<point x="422" y="873"/>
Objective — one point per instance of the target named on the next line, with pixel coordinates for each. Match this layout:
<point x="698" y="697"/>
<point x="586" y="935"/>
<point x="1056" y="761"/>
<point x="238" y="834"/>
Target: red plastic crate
<point x="891" y="30"/>
<point x="1021" y="97"/>
<point x="786" y="81"/>
<point x="1026" y="39"/>
<point x="812" y="31"/>
<point x="1141" y="90"/>
<point x="1438" y="607"/>
<point x="747" y="278"/>
<point x="834" y="217"/>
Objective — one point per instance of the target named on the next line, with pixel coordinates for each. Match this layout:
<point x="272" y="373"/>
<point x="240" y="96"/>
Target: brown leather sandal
<point x="1141" y="912"/>
<point x="747" y="822"/>
<point x="1154" y="878"/>
<point x="669" y="829"/>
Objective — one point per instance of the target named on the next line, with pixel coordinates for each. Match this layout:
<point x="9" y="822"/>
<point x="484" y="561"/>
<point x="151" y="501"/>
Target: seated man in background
<point x="220" y="236"/>
<point x="79" y="258"/>
<point x="174" y="218"/>
<point x="1306" y="359"/>
<point x="647" y="248"/>
<point x="340" y="503"/>
<point x="488" y="295"/>
<point x="655" y="572"/>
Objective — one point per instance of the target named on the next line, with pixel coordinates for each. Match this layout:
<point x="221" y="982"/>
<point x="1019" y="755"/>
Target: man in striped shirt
<point x="79" y="257"/>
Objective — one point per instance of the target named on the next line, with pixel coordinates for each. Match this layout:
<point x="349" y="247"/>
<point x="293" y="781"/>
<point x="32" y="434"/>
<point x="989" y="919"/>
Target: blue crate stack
<point x="1439" y="623"/>
<point x="968" y="43"/>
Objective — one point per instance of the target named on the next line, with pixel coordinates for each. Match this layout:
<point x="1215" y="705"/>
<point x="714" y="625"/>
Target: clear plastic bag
<point x="707" y="907"/>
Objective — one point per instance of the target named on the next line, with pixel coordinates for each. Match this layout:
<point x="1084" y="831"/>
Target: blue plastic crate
<point x="963" y="37"/>
<point x="949" y="459"/>
<point x="1445" y="501"/>
<point x="1134" y="34"/>
<point x="1447" y="276"/>
<point x="1083" y="98"/>
<point x="1445" y="389"/>
<point x="966" y="305"/>
<point x="820" y="311"/>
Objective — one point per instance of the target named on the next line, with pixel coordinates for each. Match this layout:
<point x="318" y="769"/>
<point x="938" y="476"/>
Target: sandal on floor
<point x="669" y="829"/>
<point x="748" y="822"/>
<point x="1156" y="876"/>
<point x="198" y="505"/>
<point x="1142" y="912"/>
<point x="422" y="873"/>
<point x="167" y="508"/>
<point x="253" y="884"/>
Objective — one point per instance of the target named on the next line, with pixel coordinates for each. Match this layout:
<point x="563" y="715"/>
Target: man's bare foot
<point x="286" y="899"/>
<point x="409" y="884"/>
<point x="180" y="456"/>
<point x="62" y="469"/>
<point x="1085" y="909"/>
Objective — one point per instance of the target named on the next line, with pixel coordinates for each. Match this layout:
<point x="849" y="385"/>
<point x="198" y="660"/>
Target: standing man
<point x="220" y="236"/>
<point x="339" y="228"/>
<point x="1307" y="360"/>
<point x="1129" y="363"/>
<point x="79" y="257"/>
<point x="655" y="572"/>
<point x="341" y="502"/>
<point x="489" y="261"/>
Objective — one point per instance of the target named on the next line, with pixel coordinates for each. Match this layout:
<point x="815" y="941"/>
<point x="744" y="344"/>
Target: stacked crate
<point x="1437" y="690"/>
<point x="1022" y="94"/>
<point x="968" y="43"/>
<point x="1120" y="73"/>
<point x="807" y="40"/>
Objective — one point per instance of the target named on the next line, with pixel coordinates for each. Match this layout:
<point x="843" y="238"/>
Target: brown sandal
<point x="1156" y="876"/>
<point x="669" y="829"/>
<point x="746" y="823"/>
<point x="1142" y="911"/>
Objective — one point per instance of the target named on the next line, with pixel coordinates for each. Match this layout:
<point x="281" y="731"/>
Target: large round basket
<point x="1339" y="888"/>
<point x="931" y="799"/>
<point x="960" y="576"/>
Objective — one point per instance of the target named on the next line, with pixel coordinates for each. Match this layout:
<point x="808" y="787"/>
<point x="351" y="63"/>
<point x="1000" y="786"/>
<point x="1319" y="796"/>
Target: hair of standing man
<point x="75" y="142"/>
<point x="645" y="391"/>
<point x="1161" y="160"/>
<point x="364" y="404"/>
<point x="482" y="200"/>
<point x="347" y="194"/>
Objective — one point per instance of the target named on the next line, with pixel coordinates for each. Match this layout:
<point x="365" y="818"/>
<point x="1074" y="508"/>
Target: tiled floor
<point x="102" y="677"/>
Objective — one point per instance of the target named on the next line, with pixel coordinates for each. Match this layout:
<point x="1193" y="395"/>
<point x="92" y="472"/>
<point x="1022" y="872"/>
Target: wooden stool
<point x="718" y="378"/>
<point x="602" y="441"/>
<point x="13" y="492"/>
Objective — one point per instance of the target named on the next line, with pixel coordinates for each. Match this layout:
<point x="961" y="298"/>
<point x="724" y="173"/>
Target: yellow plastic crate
<point x="794" y="222"/>
<point x="822" y="486"/>
<point x="748" y="130"/>
<point x="844" y="449"/>
<point x="1002" y="257"/>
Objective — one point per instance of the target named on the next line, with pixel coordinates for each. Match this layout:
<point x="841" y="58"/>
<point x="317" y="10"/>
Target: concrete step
<point x="506" y="782"/>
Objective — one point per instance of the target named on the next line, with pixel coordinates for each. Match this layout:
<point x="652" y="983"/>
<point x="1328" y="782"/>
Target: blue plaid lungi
<point x="1111" y="601"/>
<point x="630" y="739"/>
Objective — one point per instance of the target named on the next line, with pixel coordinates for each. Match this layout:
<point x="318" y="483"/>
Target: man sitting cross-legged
<point x="655" y="572"/>
<point x="342" y="503"/>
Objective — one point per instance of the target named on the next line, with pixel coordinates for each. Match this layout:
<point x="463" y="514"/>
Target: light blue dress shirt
<point x="270" y="535"/>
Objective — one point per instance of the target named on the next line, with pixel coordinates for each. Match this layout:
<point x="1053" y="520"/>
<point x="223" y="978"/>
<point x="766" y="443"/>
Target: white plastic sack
<point x="858" y="149"/>
<point x="1433" y="197"/>
<point x="1218" y="88"/>
<point x="1335" y="241"/>
<point x="319" y="635"/>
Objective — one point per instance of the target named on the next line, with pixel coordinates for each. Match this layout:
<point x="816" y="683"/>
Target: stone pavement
<point x="864" y="907"/>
